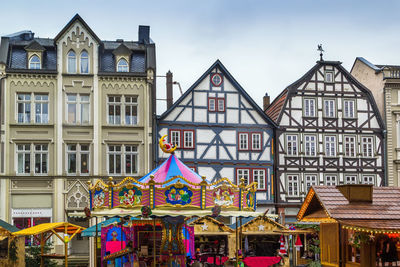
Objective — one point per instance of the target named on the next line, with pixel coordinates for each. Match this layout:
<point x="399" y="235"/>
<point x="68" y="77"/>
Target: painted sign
<point x="223" y="196"/>
<point x="130" y="197"/>
<point x="98" y="198"/>
<point x="181" y="196"/>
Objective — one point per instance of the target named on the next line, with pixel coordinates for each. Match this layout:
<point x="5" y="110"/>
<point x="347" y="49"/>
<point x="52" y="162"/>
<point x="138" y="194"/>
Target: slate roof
<point x="385" y="204"/>
<point x="13" y="52"/>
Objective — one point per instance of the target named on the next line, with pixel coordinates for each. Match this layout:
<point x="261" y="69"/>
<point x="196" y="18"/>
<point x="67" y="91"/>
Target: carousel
<point x="161" y="202"/>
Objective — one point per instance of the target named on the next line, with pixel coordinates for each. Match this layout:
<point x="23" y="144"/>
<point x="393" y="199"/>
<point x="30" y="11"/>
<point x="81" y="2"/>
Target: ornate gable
<point x="34" y="46"/>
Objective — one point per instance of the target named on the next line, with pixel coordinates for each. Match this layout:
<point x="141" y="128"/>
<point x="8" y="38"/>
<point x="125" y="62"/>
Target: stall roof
<point x="46" y="227"/>
<point x="10" y="228"/>
<point x="172" y="168"/>
<point x="91" y="231"/>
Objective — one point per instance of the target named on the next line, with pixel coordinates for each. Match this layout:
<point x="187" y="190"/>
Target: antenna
<point x="320" y="49"/>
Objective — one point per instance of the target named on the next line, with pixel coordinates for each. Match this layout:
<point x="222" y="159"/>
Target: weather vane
<point x="320" y="50"/>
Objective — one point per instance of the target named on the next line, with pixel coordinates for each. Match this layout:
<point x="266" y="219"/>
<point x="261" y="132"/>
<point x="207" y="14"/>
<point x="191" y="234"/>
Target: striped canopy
<point x="171" y="168"/>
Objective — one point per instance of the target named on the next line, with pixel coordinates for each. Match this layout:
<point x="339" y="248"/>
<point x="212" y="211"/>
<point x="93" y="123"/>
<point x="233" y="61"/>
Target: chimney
<point x="266" y="101"/>
<point x="144" y="34"/>
<point x="170" y="98"/>
<point x="356" y="192"/>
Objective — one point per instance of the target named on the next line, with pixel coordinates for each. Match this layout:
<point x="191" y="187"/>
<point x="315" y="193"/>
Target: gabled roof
<point x="327" y="202"/>
<point x="34" y="46"/>
<point x="276" y="108"/>
<point x="8" y="227"/>
<point x="72" y="21"/>
<point x="221" y="67"/>
<point x="222" y="227"/>
<point x="367" y="63"/>
<point x="122" y="49"/>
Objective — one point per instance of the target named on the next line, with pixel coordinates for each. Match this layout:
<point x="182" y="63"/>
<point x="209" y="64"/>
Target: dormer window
<point x="34" y="63"/>
<point x="71" y="62"/>
<point x="122" y="65"/>
<point x="84" y="62"/>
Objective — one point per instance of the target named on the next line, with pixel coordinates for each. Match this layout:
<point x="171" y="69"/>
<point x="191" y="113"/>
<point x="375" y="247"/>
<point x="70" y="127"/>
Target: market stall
<point x="12" y="248"/>
<point x="168" y="195"/>
<point x="357" y="223"/>
<point x="44" y="231"/>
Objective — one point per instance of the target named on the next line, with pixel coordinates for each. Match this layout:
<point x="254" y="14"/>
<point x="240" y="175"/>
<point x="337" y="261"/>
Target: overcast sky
<point x="266" y="45"/>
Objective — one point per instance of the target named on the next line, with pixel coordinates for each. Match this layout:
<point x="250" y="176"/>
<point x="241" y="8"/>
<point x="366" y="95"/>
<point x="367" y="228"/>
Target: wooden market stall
<point x="353" y="221"/>
<point x="62" y="230"/>
<point x="11" y="246"/>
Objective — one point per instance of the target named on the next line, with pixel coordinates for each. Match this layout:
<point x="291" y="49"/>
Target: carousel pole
<point x="240" y="236"/>
<point x="66" y="246"/>
<point x="154" y="242"/>
<point x="95" y="246"/>
<point x="237" y="254"/>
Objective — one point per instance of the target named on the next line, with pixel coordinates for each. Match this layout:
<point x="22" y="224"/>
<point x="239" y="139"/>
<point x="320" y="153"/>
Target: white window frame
<point x="25" y="153"/>
<point x="37" y="65"/>
<point x="292" y="144"/>
<point x="175" y="138"/>
<point x="134" y="154"/>
<point x="188" y="139"/>
<point x="220" y="108"/>
<point x="330" y="145"/>
<point x="293" y="185"/>
<point x="259" y="176"/>
<point x="43" y="153"/>
<point x="309" y="180"/>
<point x="310" y="146"/>
<point x="367" y="148"/>
<point x="124" y="67"/>
<point x="26" y="103"/>
<point x="350" y="145"/>
<point x="115" y="104"/>
<point x="331" y="180"/>
<point x="243" y="173"/>
<point x="349" y="109"/>
<point x="329" y="108"/>
<point x="256" y="145"/>
<point x="243" y="141"/>
<point x="79" y="102"/>
<point x="123" y="152"/>
<point x="350" y="179"/>
<point x="309" y="107"/>
<point x="81" y="59"/>
<point x="368" y="179"/>
<point x="78" y="158"/>
<point x="332" y="76"/>
<point x="42" y="102"/>
<point x="71" y="66"/>
<point x="131" y="102"/>
<point x="115" y="153"/>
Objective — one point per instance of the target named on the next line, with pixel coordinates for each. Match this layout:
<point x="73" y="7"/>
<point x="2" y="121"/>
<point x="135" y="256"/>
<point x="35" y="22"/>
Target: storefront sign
<point x="29" y="213"/>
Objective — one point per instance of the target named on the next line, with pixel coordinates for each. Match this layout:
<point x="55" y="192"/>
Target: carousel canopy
<point x="172" y="168"/>
<point x="91" y="231"/>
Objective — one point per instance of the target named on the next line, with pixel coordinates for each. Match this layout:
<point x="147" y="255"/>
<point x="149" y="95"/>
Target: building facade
<point x="384" y="82"/>
<point x="329" y="132"/>
<point x="221" y="132"/>
<point x="73" y="108"/>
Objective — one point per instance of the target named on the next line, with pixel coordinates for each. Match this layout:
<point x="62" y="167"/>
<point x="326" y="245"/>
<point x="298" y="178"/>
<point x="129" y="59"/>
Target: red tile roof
<point x="276" y="106"/>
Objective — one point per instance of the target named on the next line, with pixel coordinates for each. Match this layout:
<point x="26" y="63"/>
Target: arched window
<point x="71" y="62"/>
<point x="122" y="65"/>
<point x="34" y="62"/>
<point x="84" y="62"/>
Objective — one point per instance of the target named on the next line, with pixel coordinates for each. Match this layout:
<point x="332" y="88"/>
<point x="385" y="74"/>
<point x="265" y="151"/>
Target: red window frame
<point x="250" y="141"/>
<point x="182" y="138"/>
<point x="216" y="105"/>
<point x="193" y="168"/>
<point x="251" y="178"/>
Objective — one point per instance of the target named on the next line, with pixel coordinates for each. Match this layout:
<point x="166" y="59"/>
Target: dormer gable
<point x="34" y="46"/>
<point x="122" y="50"/>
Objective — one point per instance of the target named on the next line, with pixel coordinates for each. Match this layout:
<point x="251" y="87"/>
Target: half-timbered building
<point x="221" y="132"/>
<point x="330" y="132"/>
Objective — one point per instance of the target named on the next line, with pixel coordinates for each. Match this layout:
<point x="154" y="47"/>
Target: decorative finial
<point x="166" y="147"/>
<point x="320" y="50"/>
